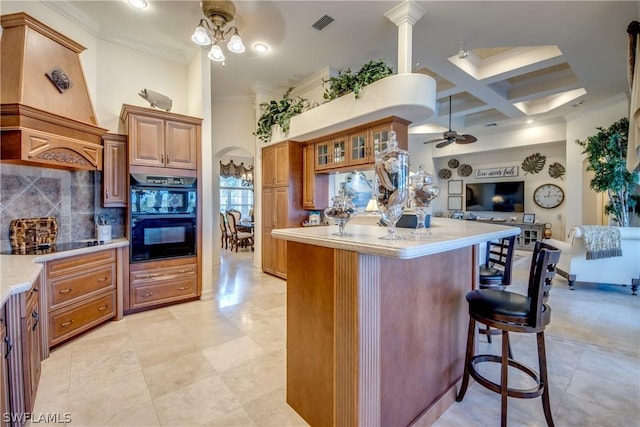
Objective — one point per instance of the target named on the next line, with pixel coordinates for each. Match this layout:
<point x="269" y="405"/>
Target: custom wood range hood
<point x="46" y="116"/>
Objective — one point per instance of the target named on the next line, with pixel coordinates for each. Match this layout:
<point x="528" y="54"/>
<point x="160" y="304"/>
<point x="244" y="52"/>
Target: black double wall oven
<point x="163" y="217"/>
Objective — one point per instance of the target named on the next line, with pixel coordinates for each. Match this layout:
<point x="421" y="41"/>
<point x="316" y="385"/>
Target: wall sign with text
<point x="505" y="172"/>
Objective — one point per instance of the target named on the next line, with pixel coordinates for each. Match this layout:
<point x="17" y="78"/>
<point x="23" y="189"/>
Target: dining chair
<point x="225" y="236"/>
<point x="238" y="237"/>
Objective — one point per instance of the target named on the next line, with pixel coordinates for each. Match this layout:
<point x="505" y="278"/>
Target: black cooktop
<point x="48" y="249"/>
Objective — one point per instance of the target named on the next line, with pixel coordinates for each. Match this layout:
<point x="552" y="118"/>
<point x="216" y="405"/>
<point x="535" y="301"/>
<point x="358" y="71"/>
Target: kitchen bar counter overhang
<point x="376" y="329"/>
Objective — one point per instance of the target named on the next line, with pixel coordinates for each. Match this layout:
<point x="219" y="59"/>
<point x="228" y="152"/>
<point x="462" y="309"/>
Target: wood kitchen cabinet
<point x="161" y="139"/>
<point x="358" y="147"/>
<point x="152" y="284"/>
<point x="81" y="293"/>
<point x="114" y="172"/>
<point x="22" y="351"/>
<point x="5" y="348"/>
<point x="315" y="187"/>
<point x="331" y="152"/>
<point x="281" y="201"/>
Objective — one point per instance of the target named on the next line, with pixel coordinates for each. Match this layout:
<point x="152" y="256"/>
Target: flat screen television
<point x="495" y="196"/>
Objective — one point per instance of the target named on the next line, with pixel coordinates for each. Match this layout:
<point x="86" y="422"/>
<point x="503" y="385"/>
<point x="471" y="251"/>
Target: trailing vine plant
<point x="280" y="113"/>
<point x="347" y="81"/>
<point x="606" y="153"/>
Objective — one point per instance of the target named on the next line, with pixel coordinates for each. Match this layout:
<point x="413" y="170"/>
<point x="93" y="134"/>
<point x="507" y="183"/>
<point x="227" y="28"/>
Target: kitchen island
<point x="376" y="329"/>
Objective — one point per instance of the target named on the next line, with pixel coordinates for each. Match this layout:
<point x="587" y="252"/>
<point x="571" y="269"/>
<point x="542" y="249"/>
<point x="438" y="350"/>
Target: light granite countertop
<point x="446" y="234"/>
<point x="18" y="272"/>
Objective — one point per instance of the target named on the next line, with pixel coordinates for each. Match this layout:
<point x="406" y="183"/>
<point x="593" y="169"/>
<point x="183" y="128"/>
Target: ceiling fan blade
<point x="465" y="139"/>
<point x="444" y="143"/>
<point x="434" y="140"/>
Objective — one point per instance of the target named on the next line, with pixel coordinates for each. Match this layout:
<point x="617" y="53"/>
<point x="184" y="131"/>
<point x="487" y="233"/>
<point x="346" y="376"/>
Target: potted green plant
<point x="606" y="153"/>
<point x="346" y="81"/>
<point x="278" y="113"/>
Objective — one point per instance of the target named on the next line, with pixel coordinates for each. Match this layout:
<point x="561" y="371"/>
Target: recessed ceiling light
<point x="261" y="47"/>
<point x="140" y="4"/>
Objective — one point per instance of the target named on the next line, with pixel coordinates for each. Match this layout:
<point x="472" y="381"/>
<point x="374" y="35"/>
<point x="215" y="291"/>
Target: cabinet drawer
<point x="79" y="263"/>
<point x="67" y="289"/>
<point x="70" y="321"/>
<point x="159" y="274"/>
<point x="163" y="291"/>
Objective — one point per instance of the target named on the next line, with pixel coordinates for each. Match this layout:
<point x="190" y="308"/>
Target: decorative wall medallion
<point x="60" y="79"/>
<point x="465" y="170"/>
<point x="444" y="173"/>
<point x="534" y="163"/>
<point x="453" y="163"/>
<point x="556" y="170"/>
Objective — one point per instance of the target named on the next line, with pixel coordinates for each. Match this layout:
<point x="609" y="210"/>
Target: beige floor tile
<point x="272" y="410"/>
<point x="197" y="404"/>
<point x="236" y="418"/>
<point x="177" y="373"/>
<point x="233" y="353"/>
<point x="255" y="379"/>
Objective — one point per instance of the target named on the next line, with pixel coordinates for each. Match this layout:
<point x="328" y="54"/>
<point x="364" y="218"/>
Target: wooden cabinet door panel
<point x="180" y="145"/>
<point x="5" y="406"/>
<point x="268" y="209"/>
<point x="269" y="166"/>
<point x="282" y="207"/>
<point x="31" y="351"/>
<point x="314" y="187"/>
<point x="282" y="164"/>
<point x="358" y="148"/>
<point x="114" y="172"/>
<point x="146" y="136"/>
<point x="322" y="156"/>
<point x="268" y="252"/>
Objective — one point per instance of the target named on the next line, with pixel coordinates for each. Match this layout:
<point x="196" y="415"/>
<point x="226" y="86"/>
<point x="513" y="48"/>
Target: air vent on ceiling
<point x="322" y="22"/>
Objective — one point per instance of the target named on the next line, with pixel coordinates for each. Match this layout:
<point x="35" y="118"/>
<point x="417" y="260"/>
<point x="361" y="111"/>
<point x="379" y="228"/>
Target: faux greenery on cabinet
<point x="278" y="113"/>
<point x="346" y="81"/>
<point x="606" y="153"/>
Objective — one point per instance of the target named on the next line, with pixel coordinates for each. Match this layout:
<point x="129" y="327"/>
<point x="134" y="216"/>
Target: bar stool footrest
<point x="529" y="393"/>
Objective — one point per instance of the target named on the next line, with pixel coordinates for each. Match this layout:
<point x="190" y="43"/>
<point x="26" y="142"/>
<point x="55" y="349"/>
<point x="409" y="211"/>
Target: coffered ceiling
<point x="526" y="59"/>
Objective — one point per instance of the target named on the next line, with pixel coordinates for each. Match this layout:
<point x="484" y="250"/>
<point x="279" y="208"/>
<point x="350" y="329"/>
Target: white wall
<point x="580" y="126"/>
<point x="124" y="72"/>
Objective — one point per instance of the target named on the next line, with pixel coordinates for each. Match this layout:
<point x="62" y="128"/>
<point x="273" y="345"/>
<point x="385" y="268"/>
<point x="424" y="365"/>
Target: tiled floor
<point x="222" y="362"/>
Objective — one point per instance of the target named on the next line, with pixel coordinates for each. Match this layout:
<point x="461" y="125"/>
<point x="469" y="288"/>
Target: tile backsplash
<point x="72" y="197"/>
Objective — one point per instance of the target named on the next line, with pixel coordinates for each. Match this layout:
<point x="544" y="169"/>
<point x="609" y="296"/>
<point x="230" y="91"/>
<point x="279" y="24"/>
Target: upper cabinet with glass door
<point x="331" y="153"/>
<point x="358" y="146"/>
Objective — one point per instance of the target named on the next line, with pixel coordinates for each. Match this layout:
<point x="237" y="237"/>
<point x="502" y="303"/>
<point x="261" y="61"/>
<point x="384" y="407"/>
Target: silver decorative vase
<point x="391" y="184"/>
<point x="423" y="191"/>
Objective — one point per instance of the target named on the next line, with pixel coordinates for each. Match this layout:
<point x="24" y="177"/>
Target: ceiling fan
<point x="452" y="136"/>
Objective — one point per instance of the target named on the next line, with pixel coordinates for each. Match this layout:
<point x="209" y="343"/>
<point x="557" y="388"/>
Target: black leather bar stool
<point x="496" y="271"/>
<point x="512" y="312"/>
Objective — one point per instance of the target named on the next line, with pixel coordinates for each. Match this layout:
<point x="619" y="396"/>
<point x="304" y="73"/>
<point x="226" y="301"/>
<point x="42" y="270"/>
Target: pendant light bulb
<point x="215" y="54"/>
<point x="235" y="44"/>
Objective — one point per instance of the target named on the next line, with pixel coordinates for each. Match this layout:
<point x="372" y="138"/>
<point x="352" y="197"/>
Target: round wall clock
<point x="548" y="196"/>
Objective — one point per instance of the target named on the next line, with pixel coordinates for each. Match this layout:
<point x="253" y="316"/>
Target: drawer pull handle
<point x="65" y="324"/>
<point x="148" y="276"/>
<point x="65" y="291"/>
<point x="102" y="280"/>
<point x="188" y="270"/>
<point x="36" y="316"/>
<point x="148" y="294"/>
<point x="9" y="347"/>
<point x="103" y="308"/>
<point x="182" y="288"/>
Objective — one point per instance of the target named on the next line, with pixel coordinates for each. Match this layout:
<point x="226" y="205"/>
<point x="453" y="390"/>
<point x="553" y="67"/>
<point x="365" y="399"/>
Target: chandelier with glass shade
<point x="215" y="33"/>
